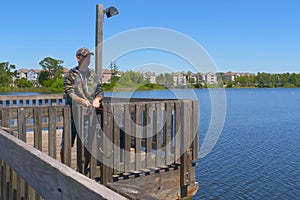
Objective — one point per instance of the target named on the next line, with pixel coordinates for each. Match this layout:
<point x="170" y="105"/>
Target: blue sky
<point x="238" y="35"/>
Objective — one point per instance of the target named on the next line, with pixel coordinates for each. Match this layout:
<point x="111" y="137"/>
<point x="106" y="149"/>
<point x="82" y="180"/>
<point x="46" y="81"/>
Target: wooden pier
<point x="142" y="149"/>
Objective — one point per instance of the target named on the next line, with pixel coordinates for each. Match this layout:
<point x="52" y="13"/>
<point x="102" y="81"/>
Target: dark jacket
<point x="84" y="85"/>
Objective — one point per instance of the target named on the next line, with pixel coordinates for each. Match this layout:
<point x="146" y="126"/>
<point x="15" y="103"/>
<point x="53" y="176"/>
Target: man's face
<point x="83" y="62"/>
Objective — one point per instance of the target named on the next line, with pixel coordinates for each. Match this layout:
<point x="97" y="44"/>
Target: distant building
<point x="22" y="73"/>
<point x="151" y="76"/>
<point x="232" y="76"/>
<point x="33" y="74"/>
<point x="106" y="76"/>
<point x="179" y="79"/>
<point x="210" y="78"/>
<point x="193" y="79"/>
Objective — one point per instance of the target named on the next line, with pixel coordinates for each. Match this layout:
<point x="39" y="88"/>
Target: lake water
<point x="257" y="155"/>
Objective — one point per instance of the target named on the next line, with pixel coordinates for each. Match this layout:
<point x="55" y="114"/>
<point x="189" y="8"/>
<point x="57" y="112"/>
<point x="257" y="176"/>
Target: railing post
<point x="67" y="135"/>
<point x="158" y="132"/>
<point x="38" y="123"/>
<point x="78" y="118"/>
<point x="185" y="157"/>
<point x="195" y="128"/>
<point x="116" y="139"/>
<point x="107" y="146"/>
<point x="168" y="132"/>
<point x="52" y="132"/>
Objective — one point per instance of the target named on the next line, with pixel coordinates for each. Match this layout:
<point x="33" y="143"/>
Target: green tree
<point x="24" y="83"/>
<point x="58" y="85"/>
<point x="263" y="79"/>
<point x="165" y="79"/>
<point x="52" y="69"/>
<point x="7" y="71"/>
<point x="114" y="68"/>
<point x="114" y="73"/>
<point x="189" y="77"/>
<point x="43" y="76"/>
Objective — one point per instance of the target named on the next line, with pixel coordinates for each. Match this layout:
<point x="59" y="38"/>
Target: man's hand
<point x="85" y="102"/>
<point x="96" y="102"/>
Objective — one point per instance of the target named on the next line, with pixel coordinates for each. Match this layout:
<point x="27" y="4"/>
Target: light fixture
<point x="111" y="11"/>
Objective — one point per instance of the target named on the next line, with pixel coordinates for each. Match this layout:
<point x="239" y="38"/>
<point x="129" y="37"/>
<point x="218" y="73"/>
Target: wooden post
<point x="168" y="133"/>
<point x="128" y="130"/>
<point x="184" y="149"/>
<point x="158" y="132"/>
<point x="99" y="38"/>
<point x="138" y="136"/>
<point x="116" y="139"/>
<point x="195" y="128"/>
<point x="38" y="128"/>
<point x="107" y="148"/>
<point x="93" y="143"/>
<point x="67" y="135"/>
<point x="52" y="132"/>
<point x="79" y="124"/>
<point x="22" y="136"/>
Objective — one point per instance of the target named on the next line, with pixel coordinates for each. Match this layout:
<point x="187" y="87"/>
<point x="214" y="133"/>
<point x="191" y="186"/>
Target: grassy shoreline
<point x="119" y="89"/>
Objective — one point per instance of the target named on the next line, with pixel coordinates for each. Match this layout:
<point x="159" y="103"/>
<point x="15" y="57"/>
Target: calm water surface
<point x="258" y="153"/>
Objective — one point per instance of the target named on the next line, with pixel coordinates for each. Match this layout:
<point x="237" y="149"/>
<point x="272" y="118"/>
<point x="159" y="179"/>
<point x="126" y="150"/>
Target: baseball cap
<point x="84" y="52"/>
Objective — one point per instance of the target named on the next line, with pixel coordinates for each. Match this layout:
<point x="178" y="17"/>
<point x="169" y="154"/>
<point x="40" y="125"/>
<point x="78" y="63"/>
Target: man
<point x="82" y="87"/>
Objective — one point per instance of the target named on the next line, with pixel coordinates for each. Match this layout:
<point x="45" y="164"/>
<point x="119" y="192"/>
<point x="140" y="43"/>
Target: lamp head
<point x="111" y="11"/>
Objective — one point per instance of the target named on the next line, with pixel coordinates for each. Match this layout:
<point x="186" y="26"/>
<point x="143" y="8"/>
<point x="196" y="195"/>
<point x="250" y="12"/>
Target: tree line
<point x="51" y="79"/>
<point x="266" y="80"/>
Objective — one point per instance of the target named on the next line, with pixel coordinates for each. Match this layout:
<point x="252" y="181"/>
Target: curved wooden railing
<point x="142" y="137"/>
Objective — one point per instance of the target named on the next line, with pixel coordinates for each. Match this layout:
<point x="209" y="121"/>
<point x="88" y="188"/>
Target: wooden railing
<point x="48" y="177"/>
<point x="136" y="137"/>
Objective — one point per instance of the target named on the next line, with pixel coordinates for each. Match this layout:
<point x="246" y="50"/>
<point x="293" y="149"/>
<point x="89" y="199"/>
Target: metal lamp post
<point x="111" y="11"/>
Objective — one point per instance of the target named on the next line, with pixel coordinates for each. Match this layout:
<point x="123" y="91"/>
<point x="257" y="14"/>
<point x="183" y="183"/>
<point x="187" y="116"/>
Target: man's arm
<point x="69" y="82"/>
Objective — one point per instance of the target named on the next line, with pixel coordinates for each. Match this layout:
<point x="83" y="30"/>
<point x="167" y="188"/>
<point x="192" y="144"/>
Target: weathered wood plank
<point x="185" y="157"/>
<point x="158" y="132"/>
<point x="5" y="118"/>
<point x="107" y="149"/>
<point x="168" y="133"/>
<point x="37" y="128"/>
<point x="195" y="128"/>
<point x="1" y="179"/>
<point x="52" y="132"/>
<point x="138" y="136"/>
<point x="116" y="138"/>
<point x="67" y="136"/>
<point x="5" y="180"/>
<point x="20" y="184"/>
<point x="61" y="180"/>
<point x="79" y="124"/>
<point x="156" y="185"/>
<point x="127" y="137"/>
<point x="143" y="136"/>
<point x="96" y="126"/>
<point x="178" y="127"/>
<point x="149" y="129"/>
